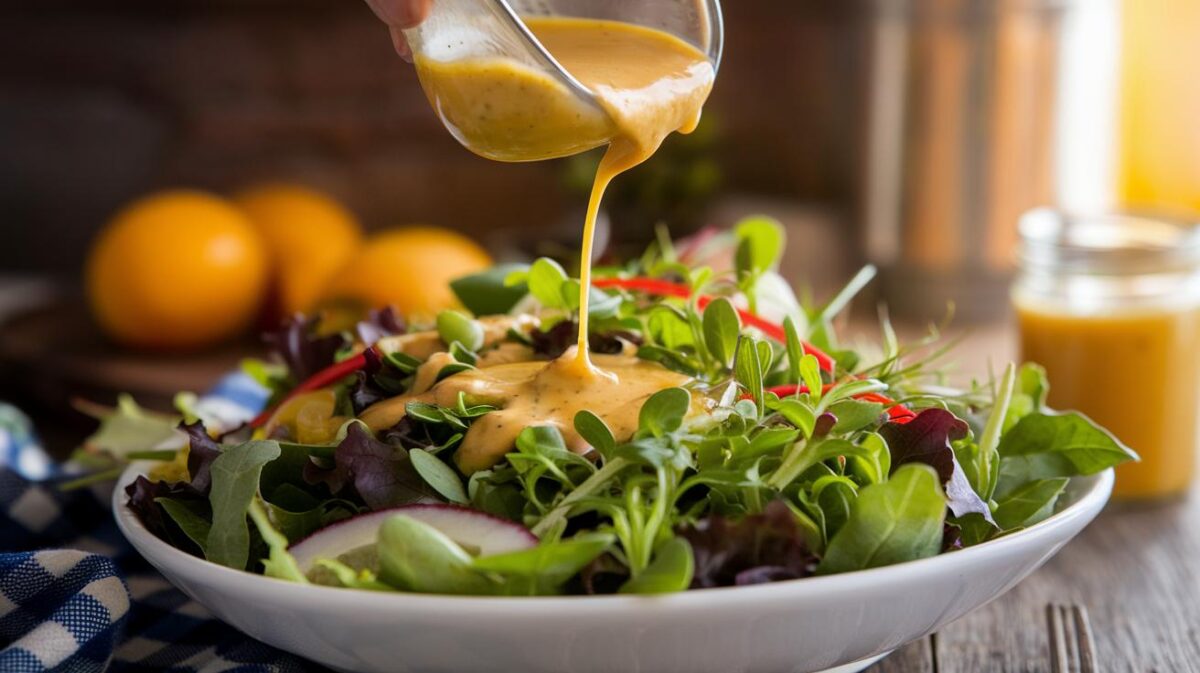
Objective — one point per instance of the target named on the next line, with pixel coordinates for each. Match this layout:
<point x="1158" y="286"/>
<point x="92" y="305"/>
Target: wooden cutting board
<point x="53" y="352"/>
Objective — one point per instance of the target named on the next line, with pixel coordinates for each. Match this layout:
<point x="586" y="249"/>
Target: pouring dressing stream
<point x="647" y="82"/>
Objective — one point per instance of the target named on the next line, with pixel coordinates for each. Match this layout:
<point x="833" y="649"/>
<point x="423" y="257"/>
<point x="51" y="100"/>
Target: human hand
<point x="399" y="15"/>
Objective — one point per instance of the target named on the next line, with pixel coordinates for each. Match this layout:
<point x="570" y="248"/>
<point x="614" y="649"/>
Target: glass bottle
<point x="1110" y="306"/>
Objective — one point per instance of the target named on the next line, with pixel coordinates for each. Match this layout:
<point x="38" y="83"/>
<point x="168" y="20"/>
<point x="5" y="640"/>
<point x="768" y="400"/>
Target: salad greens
<point x="774" y="461"/>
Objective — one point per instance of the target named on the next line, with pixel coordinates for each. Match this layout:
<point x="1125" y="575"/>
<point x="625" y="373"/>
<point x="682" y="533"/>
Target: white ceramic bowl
<point x="840" y="623"/>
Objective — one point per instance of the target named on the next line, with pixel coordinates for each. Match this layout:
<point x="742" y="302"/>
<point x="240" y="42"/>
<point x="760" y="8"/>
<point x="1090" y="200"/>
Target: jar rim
<point x="1110" y="243"/>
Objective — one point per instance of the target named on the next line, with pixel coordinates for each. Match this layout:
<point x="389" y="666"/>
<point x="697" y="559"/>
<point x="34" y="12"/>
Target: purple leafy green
<point x="365" y="390"/>
<point x="202" y="451"/>
<point x="302" y="348"/>
<point x="766" y="547"/>
<point x="380" y="323"/>
<point x="556" y="340"/>
<point x="926" y="439"/>
<point x="381" y="474"/>
<point x="143" y="495"/>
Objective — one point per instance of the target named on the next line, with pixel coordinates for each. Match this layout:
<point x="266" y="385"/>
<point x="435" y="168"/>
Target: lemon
<point x="409" y="268"/>
<point x="310" y="237"/>
<point x="176" y="270"/>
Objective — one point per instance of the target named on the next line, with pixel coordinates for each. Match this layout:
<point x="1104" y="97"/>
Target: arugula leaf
<point x="595" y="432"/>
<point x="669" y="572"/>
<point x="1045" y="445"/>
<point x="545" y="280"/>
<point x="235" y="475"/>
<point x="664" y="411"/>
<point x="279" y="562"/>
<point x="722" y="326"/>
<point x="810" y="373"/>
<point x="1030" y="503"/>
<point x="600" y="303"/>
<point x="804" y="455"/>
<point x="854" y="415"/>
<point x="414" y="556"/>
<point x="454" y="327"/>
<point x="987" y="457"/>
<point x="191" y="517"/>
<point x="1032" y="387"/>
<point x="760" y="244"/>
<point x="673" y="360"/>
<point x="544" y="569"/>
<point x="795" y="348"/>
<point x="797" y="413"/>
<point x="842" y="299"/>
<point x="896" y="521"/>
<point x="127" y="427"/>
<point x="748" y="371"/>
<point x="349" y="577"/>
<point x="438" y="475"/>
<point x="487" y="293"/>
<point x="835" y="495"/>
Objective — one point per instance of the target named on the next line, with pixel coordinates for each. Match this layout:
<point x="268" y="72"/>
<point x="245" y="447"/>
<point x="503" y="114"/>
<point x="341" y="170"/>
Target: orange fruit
<point x="176" y="270"/>
<point x="310" y="237"/>
<point x="410" y="268"/>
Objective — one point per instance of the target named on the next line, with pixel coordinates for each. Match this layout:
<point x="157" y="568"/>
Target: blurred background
<point x="909" y="134"/>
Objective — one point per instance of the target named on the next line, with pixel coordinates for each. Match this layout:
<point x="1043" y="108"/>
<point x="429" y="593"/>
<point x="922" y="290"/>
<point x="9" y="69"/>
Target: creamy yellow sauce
<point x="648" y="84"/>
<point x="537" y="393"/>
<point x="1134" y="373"/>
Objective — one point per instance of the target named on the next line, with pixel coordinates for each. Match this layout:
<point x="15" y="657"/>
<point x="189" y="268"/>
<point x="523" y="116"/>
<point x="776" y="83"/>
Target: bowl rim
<point x="159" y="553"/>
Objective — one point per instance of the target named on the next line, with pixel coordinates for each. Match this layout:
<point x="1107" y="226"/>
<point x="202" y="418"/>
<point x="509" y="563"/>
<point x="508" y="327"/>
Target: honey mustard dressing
<point x="1134" y="372"/>
<point x="537" y="393"/>
<point x="647" y="84"/>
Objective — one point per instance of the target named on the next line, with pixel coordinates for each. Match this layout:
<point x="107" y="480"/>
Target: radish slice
<point x="479" y="533"/>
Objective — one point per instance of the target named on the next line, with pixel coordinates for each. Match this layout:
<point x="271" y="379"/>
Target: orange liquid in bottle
<point x="1137" y="373"/>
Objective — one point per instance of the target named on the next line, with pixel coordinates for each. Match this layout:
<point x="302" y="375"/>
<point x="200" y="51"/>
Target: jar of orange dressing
<point x="1110" y="306"/>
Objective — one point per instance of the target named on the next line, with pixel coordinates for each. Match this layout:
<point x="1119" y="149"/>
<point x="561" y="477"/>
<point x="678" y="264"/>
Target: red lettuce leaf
<point x="202" y="451"/>
<point x="381" y="474"/>
<point x="380" y="323"/>
<point x="556" y="340"/>
<point x="604" y="575"/>
<point x="926" y="439"/>
<point x="142" y="495"/>
<point x="302" y="349"/>
<point x="412" y="434"/>
<point x="365" y="391"/>
<point x="952" y="538"/>
<point x="766" y="547"/>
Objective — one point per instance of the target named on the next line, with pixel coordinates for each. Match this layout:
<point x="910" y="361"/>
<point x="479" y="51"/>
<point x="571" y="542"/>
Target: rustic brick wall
<point x="102" y="100"/>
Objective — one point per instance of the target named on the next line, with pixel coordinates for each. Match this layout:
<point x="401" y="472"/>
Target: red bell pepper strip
<point x="669" y="289"/>
<point x="326" y="377"/>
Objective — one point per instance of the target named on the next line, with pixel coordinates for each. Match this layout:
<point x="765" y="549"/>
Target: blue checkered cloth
<point x="74" y="596"/>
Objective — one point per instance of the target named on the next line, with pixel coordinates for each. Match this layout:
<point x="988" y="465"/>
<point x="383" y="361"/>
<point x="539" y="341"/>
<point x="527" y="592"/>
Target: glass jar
<point x="1110" y="306"/>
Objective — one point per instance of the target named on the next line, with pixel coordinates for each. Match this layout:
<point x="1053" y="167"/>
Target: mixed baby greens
<point x="805" y="457"/>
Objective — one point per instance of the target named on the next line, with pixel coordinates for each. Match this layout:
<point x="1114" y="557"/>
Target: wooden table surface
<point x="1136" y="569"/>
